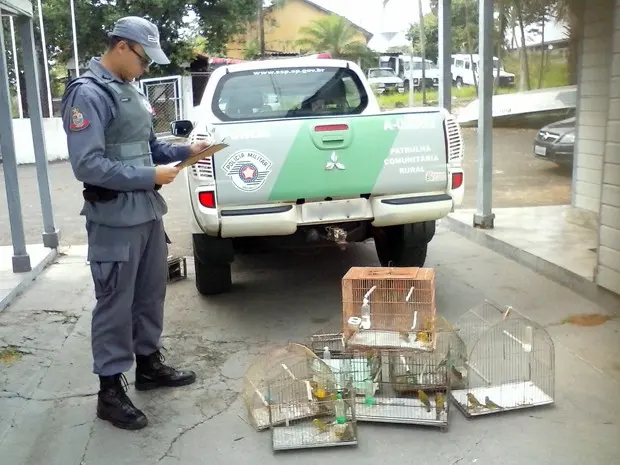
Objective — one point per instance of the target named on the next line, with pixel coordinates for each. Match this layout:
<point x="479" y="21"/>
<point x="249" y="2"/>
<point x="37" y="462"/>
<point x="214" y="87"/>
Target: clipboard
<point x="208" y="152"/>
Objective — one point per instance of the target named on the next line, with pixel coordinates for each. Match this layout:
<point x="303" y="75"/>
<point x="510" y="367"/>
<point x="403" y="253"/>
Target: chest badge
<point x="147" y="105"/>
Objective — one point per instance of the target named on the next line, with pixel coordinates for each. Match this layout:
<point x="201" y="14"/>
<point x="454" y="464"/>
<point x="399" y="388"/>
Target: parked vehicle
<point x="323" y="167"/>
<point x="556" y="142"/>
<point x="384" y="80"/>
<point x="410" y="69"/>
<point x="464" y="70"/>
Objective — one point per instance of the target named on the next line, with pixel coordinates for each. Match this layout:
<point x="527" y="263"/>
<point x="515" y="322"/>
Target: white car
<point x="384" y="80"/>
<point x="463" y="71"/>
<point x="312" y="162"/>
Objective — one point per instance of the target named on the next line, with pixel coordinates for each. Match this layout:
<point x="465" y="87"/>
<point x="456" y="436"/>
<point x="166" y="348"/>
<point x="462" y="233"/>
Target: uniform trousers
<point x="129" y="268"/>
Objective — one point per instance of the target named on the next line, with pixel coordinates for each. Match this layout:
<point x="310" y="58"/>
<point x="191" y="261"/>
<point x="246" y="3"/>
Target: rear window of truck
<point x="289" y="93"/>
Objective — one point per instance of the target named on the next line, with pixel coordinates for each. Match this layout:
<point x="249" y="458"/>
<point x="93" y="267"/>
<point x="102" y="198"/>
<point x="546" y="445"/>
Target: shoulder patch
<point x="78" y="122"/>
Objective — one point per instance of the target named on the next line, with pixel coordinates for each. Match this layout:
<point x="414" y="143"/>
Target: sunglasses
<point x="144" y="61"/>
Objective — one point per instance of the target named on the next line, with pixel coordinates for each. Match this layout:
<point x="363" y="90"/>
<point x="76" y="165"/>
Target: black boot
<point x="114" y="406"/>
<point x="151" y="373"/>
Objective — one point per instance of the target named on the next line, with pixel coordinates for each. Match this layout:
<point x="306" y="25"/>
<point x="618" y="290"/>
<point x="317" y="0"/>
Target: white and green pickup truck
<point x="312" y="161"/>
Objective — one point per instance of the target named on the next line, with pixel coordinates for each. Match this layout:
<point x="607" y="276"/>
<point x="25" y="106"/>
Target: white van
<point x="463" y="71"/>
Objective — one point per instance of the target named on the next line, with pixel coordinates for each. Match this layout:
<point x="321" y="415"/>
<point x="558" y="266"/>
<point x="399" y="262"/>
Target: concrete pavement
<point x="47" y="391"/>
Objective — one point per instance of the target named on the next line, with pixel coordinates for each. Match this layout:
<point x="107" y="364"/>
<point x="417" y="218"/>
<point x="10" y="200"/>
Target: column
<point x="21" y="259"/>
<point x="445" y="54"/>
<point x="484" y="218"/>
<point x="31" y="74"/>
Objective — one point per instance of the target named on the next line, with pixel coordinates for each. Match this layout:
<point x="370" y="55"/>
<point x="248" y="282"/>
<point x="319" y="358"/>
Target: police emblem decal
<point x="247" y="169"/>
<point x="78" y="122"/>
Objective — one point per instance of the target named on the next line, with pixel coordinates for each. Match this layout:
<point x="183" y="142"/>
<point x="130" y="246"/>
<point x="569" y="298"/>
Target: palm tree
<point x="571" y="12"/>
<point x="333" y="34"/>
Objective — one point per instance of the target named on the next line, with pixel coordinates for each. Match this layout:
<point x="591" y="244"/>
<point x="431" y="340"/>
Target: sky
<point x="371" y="15"/>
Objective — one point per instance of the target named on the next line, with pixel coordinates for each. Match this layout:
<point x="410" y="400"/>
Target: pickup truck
<point x="313" y="161"/>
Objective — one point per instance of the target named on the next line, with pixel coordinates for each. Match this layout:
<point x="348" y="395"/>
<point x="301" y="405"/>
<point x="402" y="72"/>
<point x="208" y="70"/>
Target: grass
<point x="9" y="355"/>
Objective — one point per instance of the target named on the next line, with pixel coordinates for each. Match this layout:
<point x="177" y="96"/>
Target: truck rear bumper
<point x="284" y="219"/>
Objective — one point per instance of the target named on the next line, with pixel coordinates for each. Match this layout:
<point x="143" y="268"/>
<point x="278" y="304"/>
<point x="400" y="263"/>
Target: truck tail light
<point x="207" y="199"/>
<point x="331" y="127"/>
<point x="457" y="180"/>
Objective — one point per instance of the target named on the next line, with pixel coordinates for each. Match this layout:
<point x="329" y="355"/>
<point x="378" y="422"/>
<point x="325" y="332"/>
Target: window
<point x="289" y="93"/>
<point x="379" y="73"/>
<point x="459" y="63"/>
<point x="467" y="65"/>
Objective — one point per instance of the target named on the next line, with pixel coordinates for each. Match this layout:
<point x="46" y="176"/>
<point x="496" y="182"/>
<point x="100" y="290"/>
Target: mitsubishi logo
<point x="334" y="163"/>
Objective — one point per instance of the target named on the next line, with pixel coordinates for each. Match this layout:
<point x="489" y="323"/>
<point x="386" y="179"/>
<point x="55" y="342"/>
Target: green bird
<point x="424" y="399"/>
<point x="473" y="402"/>
<point x="488" y="403"/>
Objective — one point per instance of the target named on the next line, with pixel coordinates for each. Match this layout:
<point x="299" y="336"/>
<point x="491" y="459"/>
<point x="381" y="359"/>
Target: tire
<point x="212" y="258"/>
<point x="459" y="82"/>
<point x="406" y="85"/>
<point x="405" y="245"/>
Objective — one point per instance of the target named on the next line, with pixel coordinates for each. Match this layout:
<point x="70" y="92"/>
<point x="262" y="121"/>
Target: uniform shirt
<point x="137" y="202"/>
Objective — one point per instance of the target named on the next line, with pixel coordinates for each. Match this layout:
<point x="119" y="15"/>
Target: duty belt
<point x="101" y="194"/>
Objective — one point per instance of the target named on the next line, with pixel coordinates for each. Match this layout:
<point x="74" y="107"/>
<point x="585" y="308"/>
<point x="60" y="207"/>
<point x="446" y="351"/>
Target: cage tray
<point x="307" y="435"/>
<point x="387" y="340"/>
<point x="399" y="410"/>
<point x="279" y="415"/>
<point x="510" y="394"/>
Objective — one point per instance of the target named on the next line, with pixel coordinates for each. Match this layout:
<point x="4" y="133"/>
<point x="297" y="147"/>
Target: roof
<point x="366" y="32"/>
<point x="20" y="7"/>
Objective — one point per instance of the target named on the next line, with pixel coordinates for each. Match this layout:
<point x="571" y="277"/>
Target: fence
<point x="165" y="97"/>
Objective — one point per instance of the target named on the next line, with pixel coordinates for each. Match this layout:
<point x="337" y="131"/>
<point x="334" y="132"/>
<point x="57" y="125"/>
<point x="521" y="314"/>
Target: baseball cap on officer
<point x="142" y="32"/>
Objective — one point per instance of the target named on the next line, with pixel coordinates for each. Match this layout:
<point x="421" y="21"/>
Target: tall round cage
<point x="509" y="365"/>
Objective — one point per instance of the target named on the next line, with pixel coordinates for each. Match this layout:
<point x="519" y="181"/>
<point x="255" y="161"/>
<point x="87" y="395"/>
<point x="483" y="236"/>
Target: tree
<point x="336" y="35"/>
<point x="431" y="35"/>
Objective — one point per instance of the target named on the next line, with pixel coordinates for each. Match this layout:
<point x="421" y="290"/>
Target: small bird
<point x="488" y="403"/>
<point x="424" y="399"/>
<point x="456" y="373"/>
<point x="320" y="425"/>
<point x="440" y="402"/>
<point x="473" y="402"/>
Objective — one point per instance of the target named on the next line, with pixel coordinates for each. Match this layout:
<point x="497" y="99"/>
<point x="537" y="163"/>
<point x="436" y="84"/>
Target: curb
<point x="582" y="286"/>
<point x="28" y="278"/>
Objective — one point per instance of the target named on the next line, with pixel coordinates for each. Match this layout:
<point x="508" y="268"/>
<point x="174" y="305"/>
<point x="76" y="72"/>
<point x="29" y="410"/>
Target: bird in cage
<point x="473" y="402"/>
<point x="424" y="399"/>
<point x="488" y="403"/>
<point x="344" y="432"/>
<point x="440" y="403"/>
<point x="320" y="425"/>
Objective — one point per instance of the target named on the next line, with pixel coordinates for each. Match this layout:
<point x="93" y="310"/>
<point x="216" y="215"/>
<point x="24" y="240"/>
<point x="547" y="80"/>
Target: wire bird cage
<point x="313" y="414"/>
<point x="263" y="385"/>
<point x="389" y="308"/>
<point x="510" y="362"/>
<point x="392" y="385"/>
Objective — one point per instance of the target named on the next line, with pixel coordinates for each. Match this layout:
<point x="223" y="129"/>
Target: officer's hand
<point x="165" y="174"/>
<point x="200" y="146"/>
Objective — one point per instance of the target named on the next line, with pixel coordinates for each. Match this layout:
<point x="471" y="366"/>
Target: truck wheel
<point x="404" y="245"/>
<point x="406" y="86"/>
<point x="459" y="82"/>
<point x="212" y="258"/>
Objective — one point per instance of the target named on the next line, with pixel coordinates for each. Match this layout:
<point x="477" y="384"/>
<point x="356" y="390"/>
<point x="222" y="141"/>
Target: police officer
<point x="114" y="152"/>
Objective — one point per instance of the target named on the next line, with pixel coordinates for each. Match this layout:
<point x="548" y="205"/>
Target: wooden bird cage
<point x="509" y="363"/>
<point x="389" y="308"/>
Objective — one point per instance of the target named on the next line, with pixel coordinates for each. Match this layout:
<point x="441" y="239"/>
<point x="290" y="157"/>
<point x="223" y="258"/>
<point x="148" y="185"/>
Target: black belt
<point x="101" y="194"/>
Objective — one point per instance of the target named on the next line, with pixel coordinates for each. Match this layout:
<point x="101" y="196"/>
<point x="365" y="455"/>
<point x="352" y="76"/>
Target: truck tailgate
<point x="315" y="158"/>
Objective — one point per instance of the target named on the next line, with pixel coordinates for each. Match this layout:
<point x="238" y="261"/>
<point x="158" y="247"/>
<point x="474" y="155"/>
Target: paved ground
<point x="46" y="389"/>
<point x="519" y="178"/>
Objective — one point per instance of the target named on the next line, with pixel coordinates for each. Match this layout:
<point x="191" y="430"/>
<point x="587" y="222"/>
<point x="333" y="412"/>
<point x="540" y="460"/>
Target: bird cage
<point x="313" y="415"/>
<point x="281" y="362"/>
<point x="389" y="308"/>
<point x="510" y="362"/>
<point x="392" y="385"/>
<point x="355" y="366"/>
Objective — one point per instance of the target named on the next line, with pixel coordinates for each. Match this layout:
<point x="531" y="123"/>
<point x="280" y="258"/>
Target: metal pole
<point x="21" y="259"/>
<point x="484" y="217"/>
<point x="445" y="54"/>
<point x="411" y="78"/>
<point x="18" y="88"/>
<point x="75" y="47"/>
<point x="26" y="33"/>
<point x="50" y="109"/>
<point x="423" y="53"/>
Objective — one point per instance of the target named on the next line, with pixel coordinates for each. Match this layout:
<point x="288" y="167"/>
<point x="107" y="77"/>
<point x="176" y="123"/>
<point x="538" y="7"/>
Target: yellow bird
<point x="440" y="402"/>
<point x="424" y="399"/>
<point x="488" y="403"/>
<point x="320" y="425"/>
<point x="473" y="402"/>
